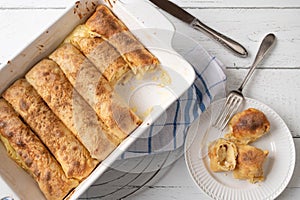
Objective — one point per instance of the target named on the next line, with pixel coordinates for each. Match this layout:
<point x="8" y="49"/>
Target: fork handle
<point x="265" y="46"/>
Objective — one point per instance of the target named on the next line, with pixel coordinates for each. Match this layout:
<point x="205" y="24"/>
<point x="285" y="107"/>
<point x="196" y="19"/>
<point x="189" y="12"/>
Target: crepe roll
<point x="96" y="90"/>
<point x="222" y="154"/>
<point x="56" y="90"/>
<point x="250" y="161"/>
<point x="75" y="160"/>
<point x="80" y="31"/>
<point x="105" y="24"/>
<point x="26" y="149"/>
<point x="104" y="56"/>
<point x="248" y="126"/>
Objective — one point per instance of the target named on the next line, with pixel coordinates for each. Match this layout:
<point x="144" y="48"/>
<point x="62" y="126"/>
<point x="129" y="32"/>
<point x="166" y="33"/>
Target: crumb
<point x="111" y="2"/>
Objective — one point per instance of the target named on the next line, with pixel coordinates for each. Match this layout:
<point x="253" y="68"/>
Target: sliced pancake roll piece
<point x="105" y="24"/>
<point x="80" y="31"/>
<point x="104" y="56"/>
<point x="26" y="149"/>
<point x="96" y="90"/>
<point x="56" y="90"/>
<point x="250" y="162"/>
<point x="69" y="152"/>
<point x="222" y="154"/>
<point x="248" y="126"/>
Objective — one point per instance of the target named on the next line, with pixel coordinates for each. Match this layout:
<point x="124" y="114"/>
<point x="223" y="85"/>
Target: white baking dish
<point x="151" y="95"/>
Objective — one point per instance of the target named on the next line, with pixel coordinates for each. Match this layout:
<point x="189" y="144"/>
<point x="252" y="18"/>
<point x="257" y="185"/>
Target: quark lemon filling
<point x="12" y="153"/>
<point x="222" y="154"/>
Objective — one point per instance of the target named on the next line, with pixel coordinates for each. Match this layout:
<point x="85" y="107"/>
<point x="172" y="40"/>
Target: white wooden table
<point x="276" y="82"/>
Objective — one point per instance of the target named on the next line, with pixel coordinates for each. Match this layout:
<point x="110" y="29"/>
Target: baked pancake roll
<point x="222" y="154"/>
<point x="250" y="162"/>
<point x="248" y="126"/>
<point x="104" y="56"/>
<point x="26" y="149"/>
<point x="56" y="90"/>
<point x="69" y="152"/>
<point x="105" y="24"/>
<point x="95" y="89"/>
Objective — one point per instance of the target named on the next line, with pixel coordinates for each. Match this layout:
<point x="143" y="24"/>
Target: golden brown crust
<point x="115" y="114"/>
<point x="69" y="152"/>
<point x="222" y="154"/>
<point x="72" y="62"/>
<point x="250" y="162"/>
<point x="248" y="126"/>
<point x="104" y="56"/>
<point x="38" y="161"/>
<point x="138" y="57"/>
<point x="53" y="86"/>
<point x="80" y="31"/>
<point x="107" y="25"/>
<point x="106" y="59"/>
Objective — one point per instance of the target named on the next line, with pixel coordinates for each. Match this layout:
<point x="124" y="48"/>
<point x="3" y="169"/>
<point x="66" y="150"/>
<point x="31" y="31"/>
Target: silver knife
<point x="181" y="14"/>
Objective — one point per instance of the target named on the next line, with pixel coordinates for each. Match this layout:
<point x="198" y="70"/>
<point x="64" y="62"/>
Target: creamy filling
<point x="12" y="153"/>
<point x="226" y="156"/>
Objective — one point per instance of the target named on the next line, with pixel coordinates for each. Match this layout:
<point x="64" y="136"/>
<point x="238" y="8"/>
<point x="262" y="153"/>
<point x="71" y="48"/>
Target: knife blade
<point x="195" y="23"/>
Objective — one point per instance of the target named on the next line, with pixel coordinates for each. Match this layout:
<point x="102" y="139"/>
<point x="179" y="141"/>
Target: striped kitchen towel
<point x="169" y="131"/>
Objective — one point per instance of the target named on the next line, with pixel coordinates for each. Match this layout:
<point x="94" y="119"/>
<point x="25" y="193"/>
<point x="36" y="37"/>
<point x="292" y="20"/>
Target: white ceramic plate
<point x="278" y="168"/>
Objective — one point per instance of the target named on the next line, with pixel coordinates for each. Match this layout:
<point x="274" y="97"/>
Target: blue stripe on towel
<point x="175" y="122"/>
<point x="195" y="108"/>
<point x="213" y="58"/>
<point x="204" y="84"/>
<point x="218" y="83"/>
<point x="199" y="94"/>
<point x="199" y="75"/>
<point x="188" y="106"/>
<point x="150" y="140"/>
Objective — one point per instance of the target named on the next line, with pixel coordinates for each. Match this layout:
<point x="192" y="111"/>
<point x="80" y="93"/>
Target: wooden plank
<point x="177" y="184"/>
<point x="295" y="181"/>
<point x="248" y="27"/>
<point x="183" y="3"/>
<point x="4" y="4"/>
<point x="278" y="89"/>
<point x="244" y="25"/>
<point x="182" y="192"/>
<point x="20" y="27"/>
<point x="236" y="3"/>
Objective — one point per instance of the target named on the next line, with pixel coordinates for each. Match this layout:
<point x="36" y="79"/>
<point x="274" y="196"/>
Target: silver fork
<point x="236" y="97"/>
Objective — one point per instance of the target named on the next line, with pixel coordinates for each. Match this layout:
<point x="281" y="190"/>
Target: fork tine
<point x="223" y="111"/>
<point x="231" y="105"/>
<point x="231" y="111"/>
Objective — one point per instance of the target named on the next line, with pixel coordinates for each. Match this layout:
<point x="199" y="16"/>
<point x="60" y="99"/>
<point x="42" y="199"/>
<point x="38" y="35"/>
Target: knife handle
<point x="224" y="40"/>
